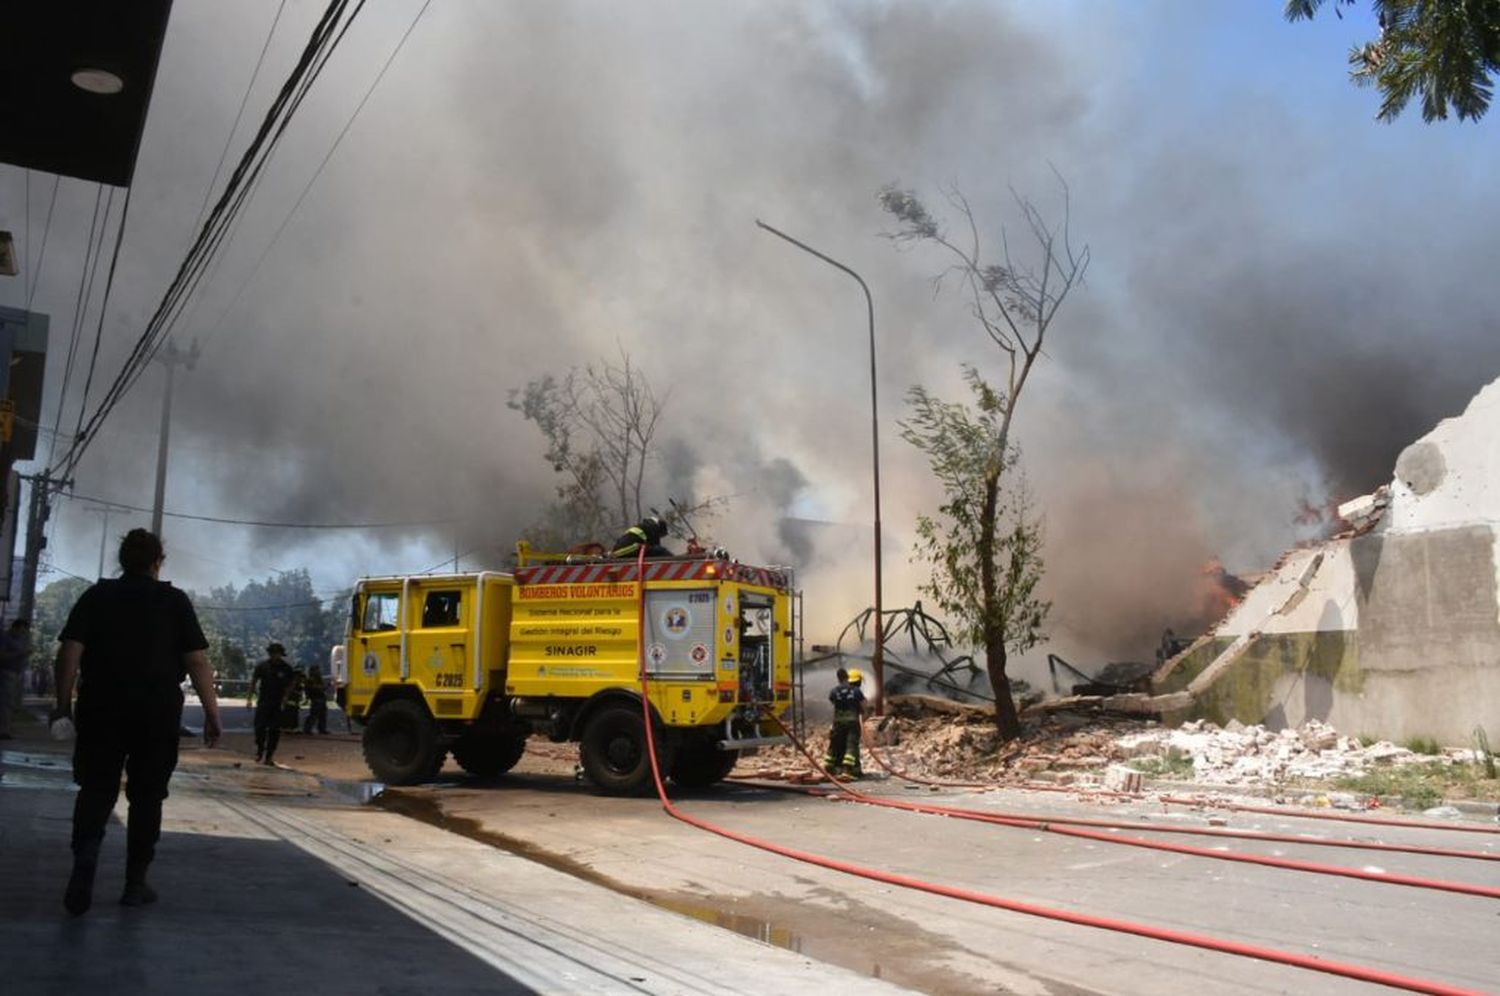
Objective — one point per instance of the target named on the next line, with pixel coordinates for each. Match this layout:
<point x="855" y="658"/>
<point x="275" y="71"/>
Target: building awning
<point x="75" y="83"/>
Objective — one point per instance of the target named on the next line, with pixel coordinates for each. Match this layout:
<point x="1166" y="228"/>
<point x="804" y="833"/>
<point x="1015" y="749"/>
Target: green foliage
<point x="1486" y="757"/>
<point x="1443" y="51"/>
<point x="1413" y="785"/>
<point x="1424" y="745"/>
<point x="240" y="622"/>
<point x="1365" y="740"/>
<point x="49" y="614"/>
<point x="983" y="550"/>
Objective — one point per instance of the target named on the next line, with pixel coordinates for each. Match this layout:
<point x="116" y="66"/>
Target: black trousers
<point x="140" y="741"/>
<point x="267" y="728"/>
<point x="317" y="714"/>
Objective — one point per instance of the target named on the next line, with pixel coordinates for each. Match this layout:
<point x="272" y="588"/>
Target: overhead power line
<point x="276" y="236"/>
<point x="263" y="523"/>
<point x="327" y="34"/>
<point x="41" y="257"/>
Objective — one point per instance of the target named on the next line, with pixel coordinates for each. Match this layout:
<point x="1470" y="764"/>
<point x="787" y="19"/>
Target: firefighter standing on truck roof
<point x="843" y="742"/>
<point x="648" y="533"/>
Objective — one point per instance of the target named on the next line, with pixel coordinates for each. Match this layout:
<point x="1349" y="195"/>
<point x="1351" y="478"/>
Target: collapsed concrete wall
<point x="1391" y="629"/>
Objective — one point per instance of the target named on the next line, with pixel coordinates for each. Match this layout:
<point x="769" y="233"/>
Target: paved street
<point x="269" y="883"/>
<point x="534" y="882"/>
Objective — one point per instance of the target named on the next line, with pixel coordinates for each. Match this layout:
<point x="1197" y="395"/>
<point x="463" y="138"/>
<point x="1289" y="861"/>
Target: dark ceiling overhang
<point x="47" y="122"/>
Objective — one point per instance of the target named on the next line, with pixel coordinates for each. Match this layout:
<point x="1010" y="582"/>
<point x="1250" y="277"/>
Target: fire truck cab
<point x="474" y="664"/>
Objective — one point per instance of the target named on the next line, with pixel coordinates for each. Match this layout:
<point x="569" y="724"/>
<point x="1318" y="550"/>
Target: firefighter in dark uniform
<point x="274" y="677"/>
<point x="843" y="742"/>
<point x="648" y="533"/>
<point x="316" y="690"/>
<point x="128" y="643"/>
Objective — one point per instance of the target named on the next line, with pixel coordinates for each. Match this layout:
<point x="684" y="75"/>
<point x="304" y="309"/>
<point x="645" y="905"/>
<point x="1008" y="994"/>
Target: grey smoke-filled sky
<point x="1283" y="294"/>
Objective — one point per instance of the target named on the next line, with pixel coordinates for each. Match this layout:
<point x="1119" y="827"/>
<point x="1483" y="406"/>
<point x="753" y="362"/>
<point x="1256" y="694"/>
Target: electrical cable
<point x="109" y="284"/>
<point x="259" y="522"/>
<point x="273" y="126"/>
<point x="41" y="257"/>
<point x="218" y="260"/>
<point x="239" y="114"/>
<point x="276" y="236"/>
<point x="91" y="254"/>
<point x="243" y="193"/>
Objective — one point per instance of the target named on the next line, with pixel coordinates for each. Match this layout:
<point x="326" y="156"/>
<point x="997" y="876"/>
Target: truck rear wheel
<point x="401" y="744"/>
<point x="701" y="764"/>
<point x="485" y="753"/>
<point x="615" y="756"/>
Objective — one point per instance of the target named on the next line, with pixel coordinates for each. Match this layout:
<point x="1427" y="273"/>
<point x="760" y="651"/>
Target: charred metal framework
<point x="927" y="637"/>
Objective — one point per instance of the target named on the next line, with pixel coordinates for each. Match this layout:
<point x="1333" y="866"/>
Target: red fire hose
<point x="1051" y="822"/>
<point x="1293" y="959"/>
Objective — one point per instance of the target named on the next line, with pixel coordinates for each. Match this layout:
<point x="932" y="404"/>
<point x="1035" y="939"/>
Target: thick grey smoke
<point x="1268" y="319"/>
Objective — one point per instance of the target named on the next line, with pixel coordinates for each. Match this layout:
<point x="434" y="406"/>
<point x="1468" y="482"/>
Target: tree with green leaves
<point x="50" y="614"/>
<point x="983" y="548"/>
<point x="1444" y="51"/>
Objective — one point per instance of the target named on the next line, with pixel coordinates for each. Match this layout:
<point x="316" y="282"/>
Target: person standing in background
<point x="273" y="678"/>
<point x="15" y="654"/>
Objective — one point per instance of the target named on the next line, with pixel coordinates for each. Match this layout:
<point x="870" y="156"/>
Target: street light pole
<point x="104" y="510"/>
<point x="878" y="659"/>
<point x="170" y="356"/>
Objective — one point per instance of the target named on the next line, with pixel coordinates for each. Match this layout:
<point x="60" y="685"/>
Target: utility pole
<point x="170" y="357"/>
<point x="878" y="658"/>
<point x="39" y="511"/>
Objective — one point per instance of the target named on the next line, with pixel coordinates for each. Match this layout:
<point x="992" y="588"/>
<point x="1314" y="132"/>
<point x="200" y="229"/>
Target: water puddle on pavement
<point x="21" y="770"/>
<point x="763" y="929"/>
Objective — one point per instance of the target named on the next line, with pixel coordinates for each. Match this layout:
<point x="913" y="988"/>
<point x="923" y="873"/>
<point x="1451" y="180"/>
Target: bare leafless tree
<point x="600" y="423"/>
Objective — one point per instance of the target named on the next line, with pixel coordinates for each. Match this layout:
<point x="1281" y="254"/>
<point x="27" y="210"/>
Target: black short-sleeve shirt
<point x="135" y="632"/>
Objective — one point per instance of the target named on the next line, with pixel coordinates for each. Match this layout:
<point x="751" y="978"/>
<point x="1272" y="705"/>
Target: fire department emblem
<point x="656" y="654"/>
<point x="676" y="621"/>
<point x="699" y="653"/>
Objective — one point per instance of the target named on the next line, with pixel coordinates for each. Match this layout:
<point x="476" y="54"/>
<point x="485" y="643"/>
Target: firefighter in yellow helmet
<point x="848" y="710"/>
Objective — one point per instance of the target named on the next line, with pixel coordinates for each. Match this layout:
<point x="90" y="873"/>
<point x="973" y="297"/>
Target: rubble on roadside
<point x="951" y="742"/>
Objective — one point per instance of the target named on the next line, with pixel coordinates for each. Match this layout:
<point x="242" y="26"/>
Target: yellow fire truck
<point x="475" y="663"/>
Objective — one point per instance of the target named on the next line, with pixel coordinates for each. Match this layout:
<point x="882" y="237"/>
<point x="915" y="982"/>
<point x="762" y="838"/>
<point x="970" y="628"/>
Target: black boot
<point x="137" y="891"/>
<point x="80" y="892"/>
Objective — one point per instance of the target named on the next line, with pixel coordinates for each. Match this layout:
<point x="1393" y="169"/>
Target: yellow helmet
<point x="855" y="676"/>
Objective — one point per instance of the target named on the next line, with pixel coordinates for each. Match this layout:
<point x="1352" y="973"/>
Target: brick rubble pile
<point x="965" y="747"/>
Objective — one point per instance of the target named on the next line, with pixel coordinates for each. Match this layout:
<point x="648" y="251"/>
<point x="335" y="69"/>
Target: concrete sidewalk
<point x="268" y="884"/>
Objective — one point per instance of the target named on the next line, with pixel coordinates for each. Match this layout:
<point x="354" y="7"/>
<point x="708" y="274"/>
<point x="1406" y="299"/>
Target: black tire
<point x="701" y="764"/>
<point x="615" y="756"/>
<point x="402" y="745"/>
<point x="486" y="753"/>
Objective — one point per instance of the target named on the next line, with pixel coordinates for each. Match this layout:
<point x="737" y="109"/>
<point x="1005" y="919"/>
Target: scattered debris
<point x="933" y="738"/>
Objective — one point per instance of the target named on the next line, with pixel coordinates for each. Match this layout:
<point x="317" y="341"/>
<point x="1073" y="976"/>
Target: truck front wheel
<point x="615" y="756"/>
<point x="401" y="744"/>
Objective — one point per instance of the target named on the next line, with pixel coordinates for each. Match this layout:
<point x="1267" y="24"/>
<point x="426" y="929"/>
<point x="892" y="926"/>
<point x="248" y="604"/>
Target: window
<point x="441" y="609"/>
<point x="382" y="611"/>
